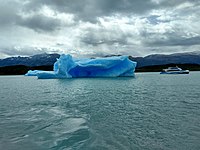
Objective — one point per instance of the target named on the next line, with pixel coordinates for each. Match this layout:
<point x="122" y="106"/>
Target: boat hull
<point x="176" y="72"/>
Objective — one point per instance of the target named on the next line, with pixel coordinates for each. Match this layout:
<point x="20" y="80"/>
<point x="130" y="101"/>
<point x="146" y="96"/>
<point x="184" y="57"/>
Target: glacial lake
<point x="148" y="112"/>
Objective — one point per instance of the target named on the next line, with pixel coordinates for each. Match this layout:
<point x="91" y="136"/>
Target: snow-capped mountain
<point x="36" y="60"/>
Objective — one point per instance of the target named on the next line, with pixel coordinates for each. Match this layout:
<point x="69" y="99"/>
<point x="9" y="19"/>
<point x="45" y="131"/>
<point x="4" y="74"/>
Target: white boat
<point x="174" y="70"/>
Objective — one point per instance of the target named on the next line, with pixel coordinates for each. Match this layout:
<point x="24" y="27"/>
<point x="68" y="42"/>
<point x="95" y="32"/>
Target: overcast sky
<point x="98" y="27"/>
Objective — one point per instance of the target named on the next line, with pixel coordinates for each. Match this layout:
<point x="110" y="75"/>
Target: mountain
<point x="150" y="60"/>
<point x="177" y="58"/>
<point x="36" y="60"/>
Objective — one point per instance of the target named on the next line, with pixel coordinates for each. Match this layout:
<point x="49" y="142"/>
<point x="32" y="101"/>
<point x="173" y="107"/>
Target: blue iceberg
<point x="32" y="72"/>
<point x="67" y="67"/>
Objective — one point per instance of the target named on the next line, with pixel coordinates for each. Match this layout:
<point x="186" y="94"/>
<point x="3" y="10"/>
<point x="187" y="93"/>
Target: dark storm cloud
<point x="174" y="3"/>
<point x="89" y="10"/>
<point x="8" y="12"/>
<point x="40" y="23"/>
<point x="14" y="13"/>
<point x="86" y="10"/>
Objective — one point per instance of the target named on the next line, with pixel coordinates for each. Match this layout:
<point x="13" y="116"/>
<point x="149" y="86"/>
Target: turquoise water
<point x="150" y="111"/>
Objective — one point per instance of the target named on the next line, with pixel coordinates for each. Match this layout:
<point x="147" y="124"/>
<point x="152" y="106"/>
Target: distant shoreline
<point x="21" y="69"/>
<point x="158" y="68"/>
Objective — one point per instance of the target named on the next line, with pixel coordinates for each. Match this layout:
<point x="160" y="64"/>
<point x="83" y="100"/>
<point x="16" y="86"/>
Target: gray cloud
<point x="16" y="13"/>
<point x="101" y="36"/>
<point x="99" y="27"/>
<point x="24" y="51"/>
<point x="40" y="23"/>
<point x="176" y="41"/>
<point x="89" y="10"/>
<point x="8" y="12"/>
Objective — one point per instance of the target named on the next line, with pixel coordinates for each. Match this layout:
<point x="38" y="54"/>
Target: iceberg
<point x="68" y="67"/>
<point x="32" y="72"/>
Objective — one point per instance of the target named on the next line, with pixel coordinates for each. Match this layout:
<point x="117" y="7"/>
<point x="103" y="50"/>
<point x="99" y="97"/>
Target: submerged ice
<point x="68" y="67"/>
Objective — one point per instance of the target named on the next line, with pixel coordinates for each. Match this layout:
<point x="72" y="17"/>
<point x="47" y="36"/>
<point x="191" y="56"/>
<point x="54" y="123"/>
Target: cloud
<point x="176" y="41"/>
<point x="22" y="51"/>
<point x="90" y="10"/>
<point x="40" y="23"/>
<point x="99" y="35"/>
<point x="8" y="12"/>
<point x="99" y="27"/>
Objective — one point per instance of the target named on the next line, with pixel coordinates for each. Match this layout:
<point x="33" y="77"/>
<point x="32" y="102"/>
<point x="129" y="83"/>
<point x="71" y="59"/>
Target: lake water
<point x="148" y="112"/>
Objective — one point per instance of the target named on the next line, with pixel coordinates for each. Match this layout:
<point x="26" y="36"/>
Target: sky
<point x="99" y="27"/>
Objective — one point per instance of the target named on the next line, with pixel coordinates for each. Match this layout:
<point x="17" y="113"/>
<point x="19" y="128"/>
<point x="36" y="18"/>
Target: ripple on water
<point x="44" y="125"/>
<point x="149" y="112"/>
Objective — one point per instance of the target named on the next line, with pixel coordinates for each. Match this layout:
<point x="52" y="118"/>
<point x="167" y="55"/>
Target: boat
<point x="174" y="70"/>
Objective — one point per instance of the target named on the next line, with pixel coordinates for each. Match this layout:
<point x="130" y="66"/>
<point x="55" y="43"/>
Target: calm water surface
<point x="150" y="111"/>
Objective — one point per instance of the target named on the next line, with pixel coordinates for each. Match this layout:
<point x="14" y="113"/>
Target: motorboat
<point x="174" y="70"/>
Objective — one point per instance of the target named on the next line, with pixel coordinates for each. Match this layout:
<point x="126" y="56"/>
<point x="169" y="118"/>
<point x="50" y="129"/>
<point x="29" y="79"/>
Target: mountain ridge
<point x="35" y="60"/>
<point x="150" y="60"/>
<point x="161" y="59"/>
